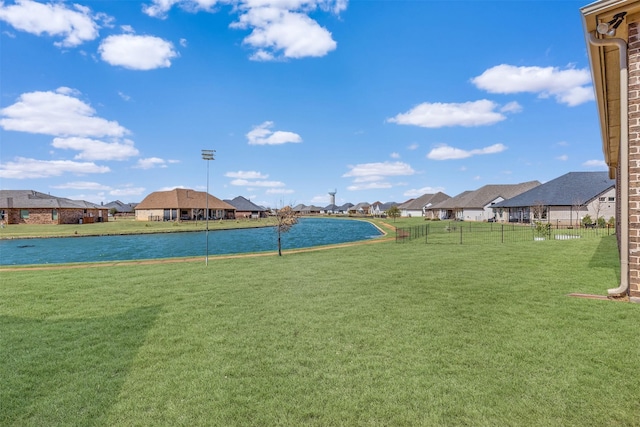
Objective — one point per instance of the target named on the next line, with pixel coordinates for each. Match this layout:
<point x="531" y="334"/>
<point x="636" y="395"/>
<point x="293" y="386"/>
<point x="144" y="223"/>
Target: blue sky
<point x="380" y="100"/>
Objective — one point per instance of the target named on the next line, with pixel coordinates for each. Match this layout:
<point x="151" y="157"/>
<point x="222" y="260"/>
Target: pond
<point x="307" y="233"/>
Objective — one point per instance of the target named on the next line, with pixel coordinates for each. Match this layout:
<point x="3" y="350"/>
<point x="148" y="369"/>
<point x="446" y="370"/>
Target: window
<point x="612" y="199"/>
<point x="24" y="213"/>
<point x="603" y="199"/>
<point x="54" y="214"/>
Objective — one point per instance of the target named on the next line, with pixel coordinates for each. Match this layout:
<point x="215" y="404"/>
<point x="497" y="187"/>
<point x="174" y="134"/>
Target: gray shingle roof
<point x="566" y="190"/>
<point x="29" y="199"/>
<point x="424" y="200"/>
<point x="481" y="197"/>
<point x="244" y="205"/>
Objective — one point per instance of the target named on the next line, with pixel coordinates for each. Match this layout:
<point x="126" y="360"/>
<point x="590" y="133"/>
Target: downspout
<point x="623" y="289"/>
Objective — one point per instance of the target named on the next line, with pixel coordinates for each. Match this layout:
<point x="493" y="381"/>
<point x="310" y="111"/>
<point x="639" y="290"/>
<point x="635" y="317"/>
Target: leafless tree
<point x="577" y="205"/>
<point x="287" y="218"/>
<point x="537" y="210"/>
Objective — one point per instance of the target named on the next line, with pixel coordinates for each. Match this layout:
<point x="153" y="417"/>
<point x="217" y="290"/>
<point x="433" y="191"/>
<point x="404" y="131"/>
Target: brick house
<point x="32" y="207"/>
<point x="182" y="204"/>
<point x="612" y="34"/>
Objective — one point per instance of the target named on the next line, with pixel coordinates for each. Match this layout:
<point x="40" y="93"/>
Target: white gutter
<point x="623" y="289"/>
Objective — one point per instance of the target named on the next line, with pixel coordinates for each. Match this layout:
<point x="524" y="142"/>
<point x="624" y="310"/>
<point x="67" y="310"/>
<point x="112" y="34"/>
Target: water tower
<point x="333" y="196"/>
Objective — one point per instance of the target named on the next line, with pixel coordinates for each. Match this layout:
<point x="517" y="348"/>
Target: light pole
<point x="207" y="155"/>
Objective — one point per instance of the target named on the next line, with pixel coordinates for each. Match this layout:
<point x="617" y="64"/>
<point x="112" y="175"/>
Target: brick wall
<point x="65" y="216"/>
<point x="634" y="159"/>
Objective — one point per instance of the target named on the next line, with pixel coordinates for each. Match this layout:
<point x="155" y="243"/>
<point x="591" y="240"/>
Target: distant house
<point x="32" y="207"/>
<point x="121" y="208"/>
<point x="344" y="209"/>
<point x="478" y="205"/>
<point x="245" y="208"/>
<point x="564" y="200"/>
<point x="361" y="208"/>
<point x="311" y="210"/>
<point x="379" y="208"/>
<point x="420" y="206"/>
<point x="182" y="204"/>
<point x="330" y="209"/>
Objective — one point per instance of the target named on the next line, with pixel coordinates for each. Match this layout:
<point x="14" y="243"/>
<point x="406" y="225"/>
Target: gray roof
<point x="245" y="205"/>
<point x="345" y="207"/>
<point x="566" y="190"/>
<point x="426" y="200"/>
<point x="120" y="206"/>
<point x="485" y="195"/>
<point x="29" y="199"/>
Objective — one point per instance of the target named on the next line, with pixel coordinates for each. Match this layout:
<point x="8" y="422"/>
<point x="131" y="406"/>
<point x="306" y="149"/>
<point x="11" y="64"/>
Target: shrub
<point x="602" y="223"/>
<point x="587" y="220"/>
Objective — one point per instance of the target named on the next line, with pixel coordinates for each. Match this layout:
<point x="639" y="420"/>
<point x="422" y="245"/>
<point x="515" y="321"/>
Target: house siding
<point x="45" y="216"/>
<point x="634" y="160"/>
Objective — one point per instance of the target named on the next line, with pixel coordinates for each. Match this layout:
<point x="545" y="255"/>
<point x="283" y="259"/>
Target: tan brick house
<point x="33" y="207"/>
<point x="613" y="43"/>
<point x="181" y="204"/>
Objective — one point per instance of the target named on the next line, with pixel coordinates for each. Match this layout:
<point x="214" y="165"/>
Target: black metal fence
<point x="470" y="233"/>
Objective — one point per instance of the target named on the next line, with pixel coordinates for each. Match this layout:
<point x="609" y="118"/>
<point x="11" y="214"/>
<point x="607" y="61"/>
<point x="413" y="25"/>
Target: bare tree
<point x="577" y="205"/>
<point x="537" y="210"/>
<point x="287" y="218"/>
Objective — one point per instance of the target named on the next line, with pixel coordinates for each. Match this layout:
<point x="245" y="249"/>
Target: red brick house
<point x="32" y="207"/>
<point x="612" y="31"/>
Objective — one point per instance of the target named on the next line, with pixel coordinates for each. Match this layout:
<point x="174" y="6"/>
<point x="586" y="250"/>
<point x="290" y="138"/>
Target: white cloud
<point x="437" y="115"/>
<point x="151" y="162"/>
<point x="367" y="170"/>
<point x="57" y="113"/>
<point x="563" y="157"/>
<point x="511" y="107"/>
<point x="277" y="31"/>
<point x="568" y="86"/>
<point x="395" y="155"/>
<point x="127" y="191"/>
<point x="279" y="191"/>
<point x="446" y="152"/>
<point x="417" y="192"/>
<point x="23" y="168"/>
<point x="91" y="149"/>
<point x="75" y="25"/>
<point x="124" y="96"/>
<point x="247" y="183"/>
<point x="368" y="176"/>
<point x="137" y="52"/>
<point x="246" y="175"/>
<point x="596" y="164"/>
<point x="279" y="28"/>
<point x="82" y="185"/>
<point x="413" y="147"/>
<point x="263" y="135"/>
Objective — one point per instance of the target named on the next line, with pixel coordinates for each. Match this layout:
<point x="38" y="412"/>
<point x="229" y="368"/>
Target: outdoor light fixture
<point x="207" y="155"/>
<point x="609" y="28"/>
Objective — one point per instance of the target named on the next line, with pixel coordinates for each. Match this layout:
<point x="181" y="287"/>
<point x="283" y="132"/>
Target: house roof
<point x="485" y="195"/>
<point x="424" y="201"/>
<point x="181" y="198"/>
<point x="121" y="207"/>
<point x="29" y="199"/>
<point x="244" y="205"/>
<point x="567" y="190"/>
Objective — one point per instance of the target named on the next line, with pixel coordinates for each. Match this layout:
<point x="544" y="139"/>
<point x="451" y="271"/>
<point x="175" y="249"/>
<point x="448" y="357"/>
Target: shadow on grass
<point x="67" y="371"/>
<point x="606" y="255"/>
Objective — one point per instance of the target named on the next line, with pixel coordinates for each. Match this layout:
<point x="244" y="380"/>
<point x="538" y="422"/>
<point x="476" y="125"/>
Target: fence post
<point x="502" y="233"/>
<point x="461" y="235"/>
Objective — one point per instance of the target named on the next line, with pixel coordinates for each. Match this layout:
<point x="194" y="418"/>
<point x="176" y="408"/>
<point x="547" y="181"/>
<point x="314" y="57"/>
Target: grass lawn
<point x="380" y="334"/>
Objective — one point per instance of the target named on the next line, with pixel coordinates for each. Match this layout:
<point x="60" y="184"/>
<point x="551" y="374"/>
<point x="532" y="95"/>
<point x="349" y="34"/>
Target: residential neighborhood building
<point x="120" y="207"/>
<point x="33" y="207"/>
<point x="420" y="206"/>
<point x="182" y="204"/>
<point x="565" y="200"/>
<point x="379" y="209"/>
<point x="245" y="208"/>
<point x="612" y="33"/>
<point x="478" y="205"/>
<point x="361" y="208"/>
